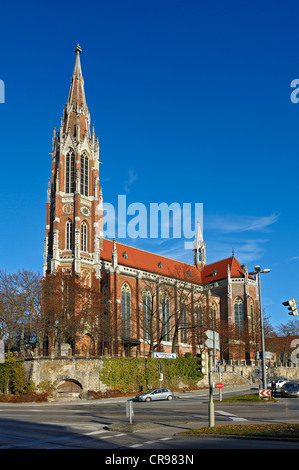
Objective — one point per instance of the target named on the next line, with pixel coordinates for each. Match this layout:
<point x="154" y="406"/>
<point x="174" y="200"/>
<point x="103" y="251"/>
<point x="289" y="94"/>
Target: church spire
<point x="199" y="247"/>
<point x="76" y="118"/>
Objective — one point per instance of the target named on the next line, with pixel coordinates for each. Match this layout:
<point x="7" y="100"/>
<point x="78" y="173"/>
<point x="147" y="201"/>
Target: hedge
<point x="130" y="374"/>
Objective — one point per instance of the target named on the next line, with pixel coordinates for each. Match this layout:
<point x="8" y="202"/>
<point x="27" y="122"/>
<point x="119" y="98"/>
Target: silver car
<point x="157" y="394"/>
<point x="278" y="383"/>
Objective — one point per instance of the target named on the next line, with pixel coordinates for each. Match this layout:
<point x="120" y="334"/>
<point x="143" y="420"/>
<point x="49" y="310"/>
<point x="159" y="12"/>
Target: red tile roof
<point x="154" y="263"/>
<point x="218" y="270"/>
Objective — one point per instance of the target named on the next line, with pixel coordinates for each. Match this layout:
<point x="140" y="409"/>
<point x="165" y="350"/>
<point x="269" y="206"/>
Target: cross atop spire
<point x="77" y="73"/>
<point x="78" y="49"/>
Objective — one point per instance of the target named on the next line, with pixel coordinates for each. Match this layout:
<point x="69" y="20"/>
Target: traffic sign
<point x="164" y="355"/>
<point x="219" y="385"/>
<point x="212" y="339"/>
<point x="265" y="393"/>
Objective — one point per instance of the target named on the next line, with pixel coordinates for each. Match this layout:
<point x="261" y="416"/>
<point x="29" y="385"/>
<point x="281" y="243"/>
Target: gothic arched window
<point x="165" y="317"/>
<point x="84" y="175"/>
<point x="252" y="315"/>
<point x="84" y="232"/>
<point x="147" y="317"/>
<point x="126" y="310"/>
<point x="69" y="235"/>
<point x="69" y="172"/>
<point x="238" y="312"/>
<point x="198" y="316"/>
<point x="183" y="321"/>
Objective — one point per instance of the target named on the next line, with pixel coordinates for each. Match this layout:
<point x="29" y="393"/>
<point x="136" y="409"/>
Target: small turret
<point x="199" y="248"/>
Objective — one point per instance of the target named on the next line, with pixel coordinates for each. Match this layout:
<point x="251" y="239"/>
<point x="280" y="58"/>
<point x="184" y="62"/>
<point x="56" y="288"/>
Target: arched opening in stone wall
<point x="69" y="389"/>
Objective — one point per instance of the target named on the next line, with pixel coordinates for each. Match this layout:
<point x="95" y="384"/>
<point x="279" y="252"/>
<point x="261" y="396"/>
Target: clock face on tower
<point x="85" y="211"/>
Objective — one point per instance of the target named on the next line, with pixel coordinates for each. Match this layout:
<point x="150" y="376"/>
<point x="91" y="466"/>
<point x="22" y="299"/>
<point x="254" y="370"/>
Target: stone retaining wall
<point x="81" y="370"/>
<point x="85" y="372"/>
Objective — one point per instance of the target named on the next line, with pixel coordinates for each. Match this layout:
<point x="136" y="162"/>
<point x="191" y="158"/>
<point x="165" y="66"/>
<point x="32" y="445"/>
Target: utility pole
<point x="257" y="271"/>
<point x="211" y="402"/>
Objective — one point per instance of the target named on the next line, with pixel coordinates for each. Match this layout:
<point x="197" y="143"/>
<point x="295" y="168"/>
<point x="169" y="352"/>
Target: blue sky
<point x="191" y="102"/>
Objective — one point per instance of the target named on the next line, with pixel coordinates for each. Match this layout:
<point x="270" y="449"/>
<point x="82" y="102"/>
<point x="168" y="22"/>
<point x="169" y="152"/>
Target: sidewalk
<point x="178" y="395"/>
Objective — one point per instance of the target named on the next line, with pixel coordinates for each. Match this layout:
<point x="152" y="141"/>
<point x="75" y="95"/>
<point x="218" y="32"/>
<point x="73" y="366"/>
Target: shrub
<point x="47" y="386"/>
<point x="13" y="378"/>
<point x="25" y="398"/>
<point x="130" y="374"/>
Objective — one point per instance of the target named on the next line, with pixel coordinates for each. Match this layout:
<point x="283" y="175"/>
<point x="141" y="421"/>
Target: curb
<point x="241" y="436"/>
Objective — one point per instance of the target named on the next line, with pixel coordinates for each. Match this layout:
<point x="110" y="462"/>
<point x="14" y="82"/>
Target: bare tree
<point x="185" y="306"/>
<point x="167" y="310"/>
<point x="20" y="303"/>
<point x="70" y="307"/>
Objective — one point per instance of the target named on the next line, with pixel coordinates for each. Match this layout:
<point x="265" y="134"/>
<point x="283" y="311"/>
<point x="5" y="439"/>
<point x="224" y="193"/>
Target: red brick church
<point x="152" y="302"/>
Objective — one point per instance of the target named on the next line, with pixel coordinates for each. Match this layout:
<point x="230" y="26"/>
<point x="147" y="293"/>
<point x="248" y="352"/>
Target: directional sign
<point x="265" y="393"/>
<point x="164" y="355"/>
<point x="211" y="337"/>
<point x="219" y="385"/>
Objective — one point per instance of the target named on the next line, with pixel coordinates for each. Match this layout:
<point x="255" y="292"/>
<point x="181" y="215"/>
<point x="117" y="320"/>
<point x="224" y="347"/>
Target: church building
<point x="151" y="302"/>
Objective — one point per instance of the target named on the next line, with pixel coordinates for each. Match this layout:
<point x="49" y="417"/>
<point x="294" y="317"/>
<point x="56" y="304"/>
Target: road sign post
<point x="220" y="382"/>
<point x="211" y="402"/>
<point x="220" y="387"/>
<point x="212" y="342"/>
<point x="129" y="410"/>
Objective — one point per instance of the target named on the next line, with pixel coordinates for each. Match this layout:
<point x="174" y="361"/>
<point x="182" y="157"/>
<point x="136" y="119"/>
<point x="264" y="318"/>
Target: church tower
<point x="74" y="231"/>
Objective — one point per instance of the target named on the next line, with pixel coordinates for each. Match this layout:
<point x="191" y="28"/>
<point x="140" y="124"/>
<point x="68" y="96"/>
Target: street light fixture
<point x="257" y="271"/>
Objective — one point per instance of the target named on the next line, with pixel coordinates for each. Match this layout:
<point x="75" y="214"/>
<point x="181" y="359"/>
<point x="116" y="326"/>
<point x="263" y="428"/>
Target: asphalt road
<point x="102" y="424"/>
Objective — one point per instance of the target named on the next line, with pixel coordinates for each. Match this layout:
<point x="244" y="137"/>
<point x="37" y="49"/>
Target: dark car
<point x="157" y="394"/>
<point x="290" y="389"/>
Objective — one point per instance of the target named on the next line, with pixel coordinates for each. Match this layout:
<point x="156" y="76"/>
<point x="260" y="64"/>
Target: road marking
<point x="231" y="416"/>
<point x="151" y="442"/>
<point x="94" y="432"/>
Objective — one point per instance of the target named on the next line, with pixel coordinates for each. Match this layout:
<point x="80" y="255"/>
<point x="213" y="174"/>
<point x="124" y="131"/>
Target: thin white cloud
<point x="246" y="251"/>
<point x="240" y="223"/>
<point x="130" y="181"/>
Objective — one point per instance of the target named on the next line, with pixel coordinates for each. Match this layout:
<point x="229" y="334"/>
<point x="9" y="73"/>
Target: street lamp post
<point x="257" y="271"/>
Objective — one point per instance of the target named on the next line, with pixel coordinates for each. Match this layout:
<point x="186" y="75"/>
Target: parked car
<point x="278" y="383"/>
<point x="290" y="389"/>
<point x="157" y="394"/>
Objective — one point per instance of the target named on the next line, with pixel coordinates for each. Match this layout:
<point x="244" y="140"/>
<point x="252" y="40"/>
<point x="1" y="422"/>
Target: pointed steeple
<point x="199" y="247"/>
<point x="74" y="226"/>
<point x="76" y="116"/>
